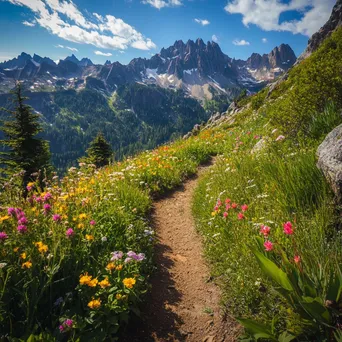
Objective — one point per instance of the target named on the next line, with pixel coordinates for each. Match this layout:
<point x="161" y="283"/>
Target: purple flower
<point x="3" y="236"/>
<point x="47" y="196"/>
<point x="140" y="257"/>
<point x="127" y="260"/>
<point x="116" y="255"/>
<point x="23" y="220"/>
<point x="47" y="207"/>
<point x="135" y="256"/>
<point x="22" y="229"/>
<point x="61" y="328"/>
<point x="70" y="232"/>
<point x="92" y="223"/>
<point x="11" y="211"/>
<point x="38" y="199"/>
<point x="56" y="217"/>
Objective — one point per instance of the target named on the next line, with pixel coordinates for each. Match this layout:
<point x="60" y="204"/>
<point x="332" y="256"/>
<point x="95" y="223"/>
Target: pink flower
<point x="47" y="196"/>
<point x="240" y="216"/>
<point x="47" y="208"/>
<point x="228" y="206"/>
<point x="69" y="322"/>
<point x="38" y="199"/>
<point x="256" y="137"/>
<point x="216" y="208"/>
<point x="288" y="230"/>
<point x="268" y="245"/>
<point x="265" y="230"/>
<point x="234" y="205"/>
<point x="70" y="232"/>
<point x="29" y="188"/>
<point x="23" y="220"/>
<point x="92" y="223"/>
<point x="228" y="200"/>
<point x="61" y="328"/>
<point x="219" y="203"/>
<point x="3" y="236"/>
<point x="225" y="214"/>
<point x="280" y="138"/>
<point x="297" y="259"/>
<point x="244" y="207"/>
<point x="56" y="217"/>
<point x="22" y="229"/>
<point x="11" y="211"/>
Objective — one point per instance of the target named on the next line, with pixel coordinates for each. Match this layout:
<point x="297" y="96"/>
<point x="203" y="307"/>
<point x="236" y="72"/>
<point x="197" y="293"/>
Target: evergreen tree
<point x="99" y="152"/>
<point x="22" y="150"/>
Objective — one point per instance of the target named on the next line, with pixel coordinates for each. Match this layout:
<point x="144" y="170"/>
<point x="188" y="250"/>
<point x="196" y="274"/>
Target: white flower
<point x="104" y="239"/>
<point x="280" y="138"/>
<point x="3" y="264"/>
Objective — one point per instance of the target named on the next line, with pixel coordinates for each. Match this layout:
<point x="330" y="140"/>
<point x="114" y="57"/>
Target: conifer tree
<point x="22" y="150"/>
<point x="99" y="153"/>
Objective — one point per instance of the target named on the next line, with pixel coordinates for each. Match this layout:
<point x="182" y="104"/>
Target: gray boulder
<point x="329" y="155"/>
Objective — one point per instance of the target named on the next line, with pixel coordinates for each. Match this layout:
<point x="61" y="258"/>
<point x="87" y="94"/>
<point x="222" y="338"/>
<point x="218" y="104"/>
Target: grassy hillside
<point x="81" y="246"/>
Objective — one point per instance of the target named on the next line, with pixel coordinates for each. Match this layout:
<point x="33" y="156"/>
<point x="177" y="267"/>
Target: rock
<point x="259" y="146"/>
<point x="209" y="339"/>
<point x="329" y="155"/>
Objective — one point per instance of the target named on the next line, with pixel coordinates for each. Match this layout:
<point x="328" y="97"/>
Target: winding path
<point x="184" y="303"/>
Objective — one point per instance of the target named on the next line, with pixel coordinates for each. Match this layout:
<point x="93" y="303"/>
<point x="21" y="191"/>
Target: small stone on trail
<point x="209" y="339"/>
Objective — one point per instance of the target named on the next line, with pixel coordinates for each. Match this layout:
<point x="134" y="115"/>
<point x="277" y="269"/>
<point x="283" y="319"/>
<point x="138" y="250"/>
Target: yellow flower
<point x="129" y="282"/>
<point x="4" y="218"/>
<point x="34" y="209"/>
<point x="82" y="216"/>
<point x="110" y="266"/>
<point x="23" y="256"/>
<point x="30" y="184"/>
<point x="89" y="237"/>
<point x="93" y="282"/>
<point x="27" y="264"/>
<point x="85" y="279"/>
<point x="16" y="249"/>
<point x="119" y="267"/>
<point x="94" y="304"/>
<point x="118" y="296"/>
<point x="41" y="247"/>
<point x="104" y="283"/>
<point x="80" y="226"/>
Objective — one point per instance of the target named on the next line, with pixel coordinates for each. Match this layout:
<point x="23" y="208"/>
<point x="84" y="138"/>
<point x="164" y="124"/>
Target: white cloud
<point x="66" y="47"/>
<point x="214" y="38"/>
<point x="163" y="3"/>
<point x="28" y="23"/>
<point x="264" y="40"/>
<point x="266" y="13"/>
<point x="202" y="22"/>
<point x="105" y="32"/>
<point x="241" y="42"/>
<point x="100" y="53"/>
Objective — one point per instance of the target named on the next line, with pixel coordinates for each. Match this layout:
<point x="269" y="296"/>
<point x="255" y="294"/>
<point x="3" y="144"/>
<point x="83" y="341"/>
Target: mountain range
<point x="201" y="70"/>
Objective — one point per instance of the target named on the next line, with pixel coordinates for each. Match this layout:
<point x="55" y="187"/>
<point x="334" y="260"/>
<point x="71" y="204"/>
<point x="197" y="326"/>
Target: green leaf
<point x="286" y="337"/>
<point x="273" y="271"/>
<point x="258" y="330"/>
<point x="316" y="309"/>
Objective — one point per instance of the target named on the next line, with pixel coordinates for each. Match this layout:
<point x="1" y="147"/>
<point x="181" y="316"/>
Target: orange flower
<point x="23" y="256"/>
<point x="94" y="304"/>
<point x="85" y="279"/>
<point x="27" y="264"/>
<point x="119" y="267"/>
<point x="89" y="237"/>
<point x="110" y="266"/>
<point x="129" y="282"/>
<point x="104" y="283"/>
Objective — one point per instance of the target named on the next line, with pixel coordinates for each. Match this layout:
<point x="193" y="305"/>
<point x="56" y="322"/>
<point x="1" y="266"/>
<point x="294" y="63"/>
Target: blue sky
<point x="124" y="29"/>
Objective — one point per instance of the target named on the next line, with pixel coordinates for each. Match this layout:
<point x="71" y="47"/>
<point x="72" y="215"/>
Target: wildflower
<point x="57" y="217"/>
<point x="297" y="259"/>
<point x="4" y="218"/>
<point x="234" y="205"/>
<point x="69" y="233"/>
<point x="15" y="249"/>
<point x="225" y="214"/>
<point x="85" y="279"/>
<point x="104" y="283"/>
<point x="67" y="324"/>
<point x="127" y="260"/>
<point x="94" y="304"/>
<point x="61" y="328"/>
<point x="82" y="216"/>
<point x="23" y="256"/>
<point x="240" y="216"/>
<point x="23" y="220"/>
<point x="22" y="229"/>
<point x="268" y="245"/>
<point x="3" y="264"/>
<point x="228" y="200"/>
<point x="280" y="138"/>
<point x="89" y="237"/>
<point x="93" y="282"/>
<point x="92" y="223"/>
<point x="118" y="296"/>
<point x="11" y="211"/>
<point x="288" y="230"/>
<point x="80" y="226"/>
<point x="104" y="239"/>
<point x="47" y="196"/>
<point x="42" y="248"/>
<point x="265" y="230"/>
<point x="27" y="264"/>
<point x="3" y="236"/>
<point x="119" y="267"/>
<point x="244" y="207"/>
<point x="129" y="282"/>
<point x="110" y="266"/>
<point x="47" y="208"/>
<point x="117" y="255"/>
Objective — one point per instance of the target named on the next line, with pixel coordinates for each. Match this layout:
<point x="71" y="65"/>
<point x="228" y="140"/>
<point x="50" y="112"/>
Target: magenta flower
<point x="29" y="188"/>
<point x="70" y="232"/>
<point x="288" y="230"/>
<point x="38" y="199"/>
<point x="268" y="245"/>
<point x="56" y="217"/>
<point x="61" y="328"/>
<point x="244" y="207"/>
<point x="23" y="220"/>
<point x="47" y="196"/>
<point x="68" y="322"/>
<point x="92" y="223"/>
<point x="47" y="208"/>
<point x="11" y="211"/>
<point x="22" y="229"/>
<point x="225" y="214"/>
<point x="240" y="216"/>
<point x="3" y="236"/>
<point x="265" y="230"/>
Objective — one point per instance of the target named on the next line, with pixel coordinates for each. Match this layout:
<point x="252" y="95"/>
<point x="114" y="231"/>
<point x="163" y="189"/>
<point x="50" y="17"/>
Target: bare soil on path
<point x="183" y="304"/>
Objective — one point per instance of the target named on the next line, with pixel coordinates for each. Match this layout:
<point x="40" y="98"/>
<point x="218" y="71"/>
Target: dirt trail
<point x="183" y="304"/>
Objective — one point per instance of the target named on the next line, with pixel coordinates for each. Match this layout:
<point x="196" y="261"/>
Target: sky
<point x="120" y="30"/>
